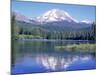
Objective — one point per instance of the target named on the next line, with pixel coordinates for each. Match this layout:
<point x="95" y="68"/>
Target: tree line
<point x="19" y="32"/>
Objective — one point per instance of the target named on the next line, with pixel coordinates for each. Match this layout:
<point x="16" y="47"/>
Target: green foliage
<point x="14" y="28"/>
<point x="78" y="47"/>
<point x="28" y="37"/>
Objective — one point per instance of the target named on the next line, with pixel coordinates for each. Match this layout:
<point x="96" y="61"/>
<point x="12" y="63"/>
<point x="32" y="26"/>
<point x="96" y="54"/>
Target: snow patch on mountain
<point x="87" y="21"/>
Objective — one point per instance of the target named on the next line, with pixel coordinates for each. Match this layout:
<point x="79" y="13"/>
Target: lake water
<point x="38" y="56"/>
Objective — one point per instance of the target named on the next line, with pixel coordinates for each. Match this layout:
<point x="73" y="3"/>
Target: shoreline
<point x="54" y="40"/>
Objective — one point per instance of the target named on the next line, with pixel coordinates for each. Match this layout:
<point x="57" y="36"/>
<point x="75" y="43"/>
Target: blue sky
<point x="34" y="9"/>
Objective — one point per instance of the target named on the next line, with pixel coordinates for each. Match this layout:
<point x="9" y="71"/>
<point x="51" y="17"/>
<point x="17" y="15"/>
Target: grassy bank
<point x="77" y="48"/>
<point x="27" y="37"/>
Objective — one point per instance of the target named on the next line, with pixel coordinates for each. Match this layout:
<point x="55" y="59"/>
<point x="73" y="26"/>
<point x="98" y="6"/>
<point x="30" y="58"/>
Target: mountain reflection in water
<point x="50" y="63"/>
<point x="59" y="62"/>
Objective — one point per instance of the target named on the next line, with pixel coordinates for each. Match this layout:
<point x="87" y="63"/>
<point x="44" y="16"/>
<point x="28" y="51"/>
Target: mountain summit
<point x="55" y="15"/>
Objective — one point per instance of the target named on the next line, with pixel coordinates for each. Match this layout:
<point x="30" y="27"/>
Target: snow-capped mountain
<point x="55" y="15"/>
<point x="54" y="19"/>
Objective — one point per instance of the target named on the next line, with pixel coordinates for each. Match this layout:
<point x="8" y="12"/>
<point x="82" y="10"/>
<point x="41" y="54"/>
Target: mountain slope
<point x="22" y="18"/>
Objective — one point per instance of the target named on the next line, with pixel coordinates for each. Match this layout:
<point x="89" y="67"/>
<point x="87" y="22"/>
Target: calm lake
<point x="38" y="56"/>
